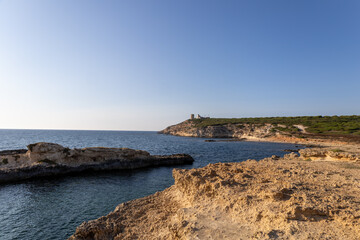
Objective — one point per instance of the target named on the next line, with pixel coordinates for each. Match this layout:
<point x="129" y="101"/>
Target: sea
<point x="53" y="208"/>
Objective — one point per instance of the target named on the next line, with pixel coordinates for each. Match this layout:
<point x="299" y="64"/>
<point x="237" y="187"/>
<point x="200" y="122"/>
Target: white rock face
<point x="54" y="153"/>
<point x="188" y="129"/>
<point x="48" y="159"/>
<point x="44" y="147"/>
<point x="39" y="152"/>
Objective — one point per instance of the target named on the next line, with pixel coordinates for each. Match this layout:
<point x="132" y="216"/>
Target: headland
<point x="325" y="131"/>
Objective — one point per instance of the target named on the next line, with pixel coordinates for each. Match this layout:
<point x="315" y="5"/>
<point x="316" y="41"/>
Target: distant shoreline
<point x="297" y="130"/>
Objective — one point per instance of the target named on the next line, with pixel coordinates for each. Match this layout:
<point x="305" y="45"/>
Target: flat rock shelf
<point x="50" y="159"/>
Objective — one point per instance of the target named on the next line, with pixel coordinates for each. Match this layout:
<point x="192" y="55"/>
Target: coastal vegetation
<point x="347" y="125"/>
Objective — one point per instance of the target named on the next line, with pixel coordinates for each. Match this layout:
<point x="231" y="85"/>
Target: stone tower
<point x="192" y="116"/>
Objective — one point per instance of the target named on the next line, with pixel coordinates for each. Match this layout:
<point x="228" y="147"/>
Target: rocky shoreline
<point x="49" y="159"/>
<point x="189" y="129"/>
<point x="311" y="193"/>
<point x="293" y="197"/>
<point x="261" y="133"/>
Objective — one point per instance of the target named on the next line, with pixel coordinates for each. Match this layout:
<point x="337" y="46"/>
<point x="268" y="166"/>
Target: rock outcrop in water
<point x="48" y="159"/>
<point x="275" y="198"/>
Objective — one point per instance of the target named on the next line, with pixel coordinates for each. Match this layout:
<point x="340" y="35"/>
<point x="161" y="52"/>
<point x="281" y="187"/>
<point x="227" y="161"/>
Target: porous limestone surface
<point x="50" y="159"/>
<point x="188" y="129"/>
<point x="329" y="154"/>
<point x="52" y="153"/>
<point x="275" y="198"/>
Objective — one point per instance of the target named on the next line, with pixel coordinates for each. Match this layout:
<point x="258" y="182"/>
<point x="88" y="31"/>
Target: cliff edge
<point x="189" y="128"/>
<point x="285" y="198"/>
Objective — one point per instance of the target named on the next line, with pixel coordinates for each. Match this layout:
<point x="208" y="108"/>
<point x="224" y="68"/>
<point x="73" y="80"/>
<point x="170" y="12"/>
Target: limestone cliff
<point x="274" y="198"/>
<point x="48" y="159"/>
<point x="270" y="132"/>
<point x="189" y="129"/>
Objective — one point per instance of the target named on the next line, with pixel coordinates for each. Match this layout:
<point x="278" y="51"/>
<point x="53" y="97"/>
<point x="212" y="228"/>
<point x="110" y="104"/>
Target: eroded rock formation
<point x="47" y="159"/>
<point x="189" y="129"/>
<point x="329" y="154"/>
<point x="285" y="198"/>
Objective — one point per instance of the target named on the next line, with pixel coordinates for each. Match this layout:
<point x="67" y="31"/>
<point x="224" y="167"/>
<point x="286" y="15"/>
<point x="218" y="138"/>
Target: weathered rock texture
<point x="48" y="159"/>
<point x="329" y="154"/>
<point x="284" y="198"/>
<point x="188" y="129"/>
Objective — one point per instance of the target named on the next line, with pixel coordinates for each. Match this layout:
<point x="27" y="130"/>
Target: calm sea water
<point x="53" y="208"/>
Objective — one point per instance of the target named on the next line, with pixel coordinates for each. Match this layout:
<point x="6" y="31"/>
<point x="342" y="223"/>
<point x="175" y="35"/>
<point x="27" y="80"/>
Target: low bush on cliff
<point x="314" y="124"/>
<point x="288" y="129"/>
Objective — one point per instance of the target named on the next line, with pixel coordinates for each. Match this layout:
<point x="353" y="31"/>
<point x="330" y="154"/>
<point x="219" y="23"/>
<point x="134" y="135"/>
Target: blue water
<point x="53" y="208"/>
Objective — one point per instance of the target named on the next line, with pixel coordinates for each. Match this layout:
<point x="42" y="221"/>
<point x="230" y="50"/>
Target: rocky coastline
<point x="50" y="159"/>
<point x="265" y="132"/>
<point x="306" y="196"/>
<point x="310" y="193"/>
<point x="250" y="131"/>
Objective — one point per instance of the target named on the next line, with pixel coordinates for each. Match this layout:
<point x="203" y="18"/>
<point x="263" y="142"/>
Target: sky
<point x="144" y="65"/>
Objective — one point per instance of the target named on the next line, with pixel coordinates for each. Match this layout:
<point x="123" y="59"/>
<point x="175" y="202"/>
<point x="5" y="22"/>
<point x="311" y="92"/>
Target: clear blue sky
<point x="143" y="65"/>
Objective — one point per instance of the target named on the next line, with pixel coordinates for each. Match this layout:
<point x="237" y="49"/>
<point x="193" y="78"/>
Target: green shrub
<point x="315" y="124"/>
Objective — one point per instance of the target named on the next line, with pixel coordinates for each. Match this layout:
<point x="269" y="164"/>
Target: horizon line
<point x="59" y="129"/>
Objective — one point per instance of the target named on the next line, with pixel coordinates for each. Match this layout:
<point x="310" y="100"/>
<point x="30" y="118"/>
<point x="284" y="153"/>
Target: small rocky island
<point x="50" y="159"/>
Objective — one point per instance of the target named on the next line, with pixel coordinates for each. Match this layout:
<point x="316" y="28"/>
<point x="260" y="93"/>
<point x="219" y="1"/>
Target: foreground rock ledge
<point x="287" y="198"/>
<point x="49" y="159"/>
